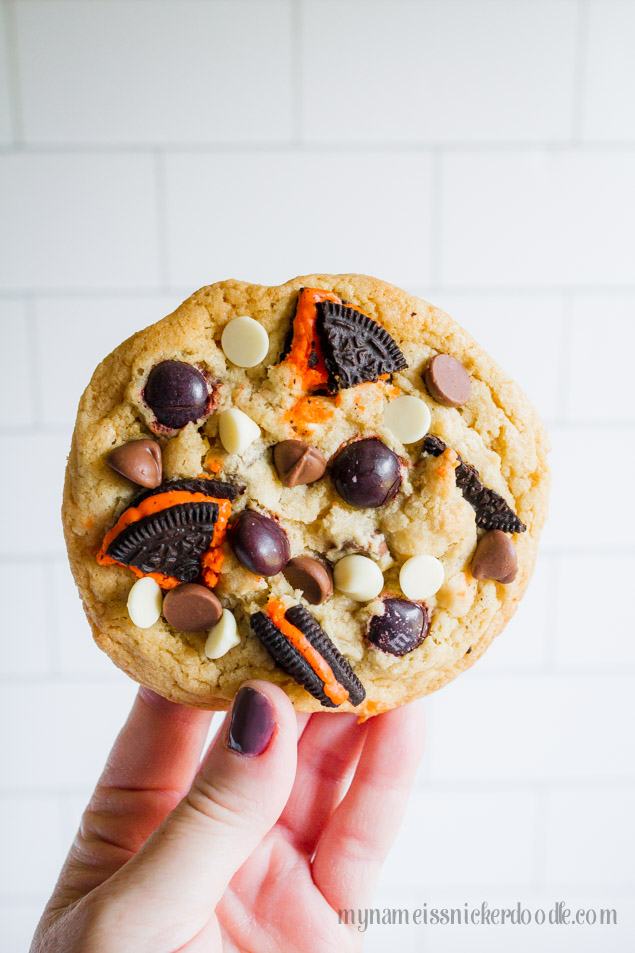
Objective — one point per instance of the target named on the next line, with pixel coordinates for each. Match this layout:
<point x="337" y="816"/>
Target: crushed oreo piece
<point x="492" y="510"/>
<point x="297" y="666"/>
<point x="210" y="487"/>
<point x="356" y="348"/>
<point x="170" y="541"/>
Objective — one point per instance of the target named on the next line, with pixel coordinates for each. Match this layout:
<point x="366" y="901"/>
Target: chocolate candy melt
<point x="447" y="381"/>
<point x="401" y="628"/>
<point x="139" y="461"/>
<point x="311" y="576"/>
<point x="177" y="393"/>
<point x="261" y="545"/>
<point x="192" y="608"/>
<point x="495" y="558"/>
<point x="366" y="473"/>
<point x="297" y="463"/>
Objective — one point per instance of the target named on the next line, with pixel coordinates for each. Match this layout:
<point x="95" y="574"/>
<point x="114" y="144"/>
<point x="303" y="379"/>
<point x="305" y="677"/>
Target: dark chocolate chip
<point x="366" y="473"/>
<point x="170" y="541"/>
<point x="260" y="543"/>
<point x="139" y="461"/>
<point x="447" y="381"/>
<point x="401" y="627"/>
<point x="313" y="577"/>
<point x="495" y="558"/>
<point x="492" y="510"/>
<point x="291" y="660"/>
<point x="192" y="607"/>
<point x="356" y="348"/>
<point x="177" y="393"/>
<point x="297" y="463"/>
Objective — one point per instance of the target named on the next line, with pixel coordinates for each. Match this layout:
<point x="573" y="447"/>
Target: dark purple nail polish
<point x="252" y="722"/>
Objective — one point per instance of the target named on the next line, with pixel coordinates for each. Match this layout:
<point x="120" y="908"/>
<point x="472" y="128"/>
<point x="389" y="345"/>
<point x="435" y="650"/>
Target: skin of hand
<point x="287" y="820"/>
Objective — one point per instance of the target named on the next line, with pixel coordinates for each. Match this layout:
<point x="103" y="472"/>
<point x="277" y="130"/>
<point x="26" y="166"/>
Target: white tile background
<point x="479" y="152"/>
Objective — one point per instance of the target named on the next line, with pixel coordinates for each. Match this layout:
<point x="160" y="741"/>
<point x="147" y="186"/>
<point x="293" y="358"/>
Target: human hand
<point x="256" y="850"/>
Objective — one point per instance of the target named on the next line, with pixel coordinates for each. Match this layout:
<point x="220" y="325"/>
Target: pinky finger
<point x="361" y="831"/>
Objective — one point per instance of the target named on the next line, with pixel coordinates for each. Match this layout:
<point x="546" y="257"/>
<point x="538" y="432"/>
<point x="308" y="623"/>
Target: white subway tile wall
<point x="480" y="153"/>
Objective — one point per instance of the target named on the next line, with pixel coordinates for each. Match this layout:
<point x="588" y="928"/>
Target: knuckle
<point x="231" y="805"/>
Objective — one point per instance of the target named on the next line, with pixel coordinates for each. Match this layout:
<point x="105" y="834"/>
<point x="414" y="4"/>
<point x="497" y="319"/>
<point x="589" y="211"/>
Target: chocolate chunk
<point x="297" y="463"/>
<point x="313" y="577"/>
<point x="356" y="348"/>
<point x="170" y="541"/>
<point x="210" y="487"/>
<point x="366" y="473"/>
<point x="139" y="461"/>
<point x="192" y="607"/>
<point x="447" y="381"/>
<point x="492" y="510"/>
<point x="297" y="666"/>
<point x="401" y="628"/>
<point x="177" y="393"/>
<point x="495" y="558"/>
<point x="260" y="543"/>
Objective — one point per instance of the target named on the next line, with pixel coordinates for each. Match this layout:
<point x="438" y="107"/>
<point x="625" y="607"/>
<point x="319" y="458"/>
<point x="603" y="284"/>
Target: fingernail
<point x="252" y="722"/>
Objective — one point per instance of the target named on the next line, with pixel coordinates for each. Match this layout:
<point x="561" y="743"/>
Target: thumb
<point x="237" y="796"/>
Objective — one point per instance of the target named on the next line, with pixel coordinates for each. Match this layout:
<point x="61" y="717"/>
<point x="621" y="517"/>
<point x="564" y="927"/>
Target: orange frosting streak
<point x="307" y="412"/>
<point x="154" y="504"/>
<point x="306" y="340"/>
<point x="332" y="689"/>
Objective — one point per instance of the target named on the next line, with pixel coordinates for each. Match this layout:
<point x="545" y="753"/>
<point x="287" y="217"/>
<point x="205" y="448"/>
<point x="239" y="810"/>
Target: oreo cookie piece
<point x="492" y="510"/>
<point x="210" y="487"/>
<point x="299" y="666"/>
<point x="170" y="541"/>
<point x="356" y="348"/>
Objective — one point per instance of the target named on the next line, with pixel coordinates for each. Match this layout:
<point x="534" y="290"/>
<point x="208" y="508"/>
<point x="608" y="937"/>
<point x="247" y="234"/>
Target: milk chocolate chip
<point x="297" y="463"/>
<point x="495" y="557"/>
<point x="447" y="381"/>
<point x="311" y="576"/>
<point x="192" y="608"/>
<point x="139" y="461"/>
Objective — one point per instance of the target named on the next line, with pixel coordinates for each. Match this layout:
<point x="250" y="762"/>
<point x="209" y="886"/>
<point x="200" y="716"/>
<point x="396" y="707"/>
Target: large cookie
<point x="362" y="503"/>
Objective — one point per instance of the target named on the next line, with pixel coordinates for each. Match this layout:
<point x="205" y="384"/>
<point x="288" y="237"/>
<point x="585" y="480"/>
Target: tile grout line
<point x="476" y="291"/>
<point x="580" y="69"/>
<point x="13" y="73"/>
<point x="338" y="146"/>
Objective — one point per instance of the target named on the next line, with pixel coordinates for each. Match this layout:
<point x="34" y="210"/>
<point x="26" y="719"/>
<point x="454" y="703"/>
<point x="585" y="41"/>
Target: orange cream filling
<point x="332" y="689"/>
<point x="212" y="559"/>
<point x="306" y="339"/>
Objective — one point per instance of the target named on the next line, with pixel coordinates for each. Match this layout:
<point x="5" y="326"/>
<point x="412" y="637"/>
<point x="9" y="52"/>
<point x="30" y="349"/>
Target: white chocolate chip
<point x="358" y="577"/>
<point x="245" y="342"/>
<point x="421" y="576"/>
<point x="144" y="602"/>
<point x="222" y="637"/>
<point x="237" y="431"/>
<point x="408" y="418"/>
